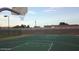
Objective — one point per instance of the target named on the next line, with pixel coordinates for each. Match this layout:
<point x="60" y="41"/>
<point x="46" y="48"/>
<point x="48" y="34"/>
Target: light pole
<point x="8" y="23"/>
<point x="15" y="11"/>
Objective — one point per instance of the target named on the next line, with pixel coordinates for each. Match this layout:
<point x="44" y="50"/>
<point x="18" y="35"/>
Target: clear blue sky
<point x="45" y="16"/>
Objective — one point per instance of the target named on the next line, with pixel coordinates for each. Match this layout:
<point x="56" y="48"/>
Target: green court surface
<point x="41" y="43"/>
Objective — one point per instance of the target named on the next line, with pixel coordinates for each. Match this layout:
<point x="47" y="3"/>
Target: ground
<point x="41" y="43"/>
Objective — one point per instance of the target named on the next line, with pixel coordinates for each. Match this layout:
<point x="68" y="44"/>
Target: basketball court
<point x="41" y="43"/>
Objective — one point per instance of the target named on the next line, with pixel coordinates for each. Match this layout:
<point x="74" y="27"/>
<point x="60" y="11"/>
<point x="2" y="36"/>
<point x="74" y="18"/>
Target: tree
<point x="28" y="26"/>
<point x="63" y="23"/>
<point x="17" y="26"/>
<point x="23" y="26"/>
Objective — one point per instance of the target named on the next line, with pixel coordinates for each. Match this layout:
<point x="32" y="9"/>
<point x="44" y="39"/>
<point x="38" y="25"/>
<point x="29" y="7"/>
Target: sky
<point x="43" y="16"/>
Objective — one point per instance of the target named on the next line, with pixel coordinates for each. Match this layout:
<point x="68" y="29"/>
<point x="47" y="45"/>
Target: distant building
<point x="36" y="26"/>
<point x="48" y="26"/>
<point x="62" y="26"/>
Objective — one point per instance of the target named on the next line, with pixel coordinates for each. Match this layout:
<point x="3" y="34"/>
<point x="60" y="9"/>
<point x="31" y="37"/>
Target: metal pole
<point x="8" y="23"/>
<point x="35" y="22"/>
<point x="21" y="17"/>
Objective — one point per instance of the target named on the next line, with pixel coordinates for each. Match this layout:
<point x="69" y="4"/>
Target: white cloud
<point x="49" y="10"/>
<point x="31" y="12"/>
<point x="52" y="9"/>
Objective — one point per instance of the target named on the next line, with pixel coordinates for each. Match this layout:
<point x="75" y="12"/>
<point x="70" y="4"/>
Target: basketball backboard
<point x="21" y="10"/>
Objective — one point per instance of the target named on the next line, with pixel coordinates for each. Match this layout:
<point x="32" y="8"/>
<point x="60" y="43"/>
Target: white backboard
<point x="21" y="10"/>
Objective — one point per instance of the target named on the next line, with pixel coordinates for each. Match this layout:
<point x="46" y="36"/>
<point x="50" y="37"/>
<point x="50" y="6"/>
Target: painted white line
<point x="15" y="37"/>
<point x="50" y="46"/>
<point x="20" y="45"/>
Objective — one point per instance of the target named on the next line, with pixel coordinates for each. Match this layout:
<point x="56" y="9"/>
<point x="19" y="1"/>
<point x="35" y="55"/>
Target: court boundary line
<point x="50" y="46"/>
<point x="20" y="45"/>
<point x="15" y="37"/>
